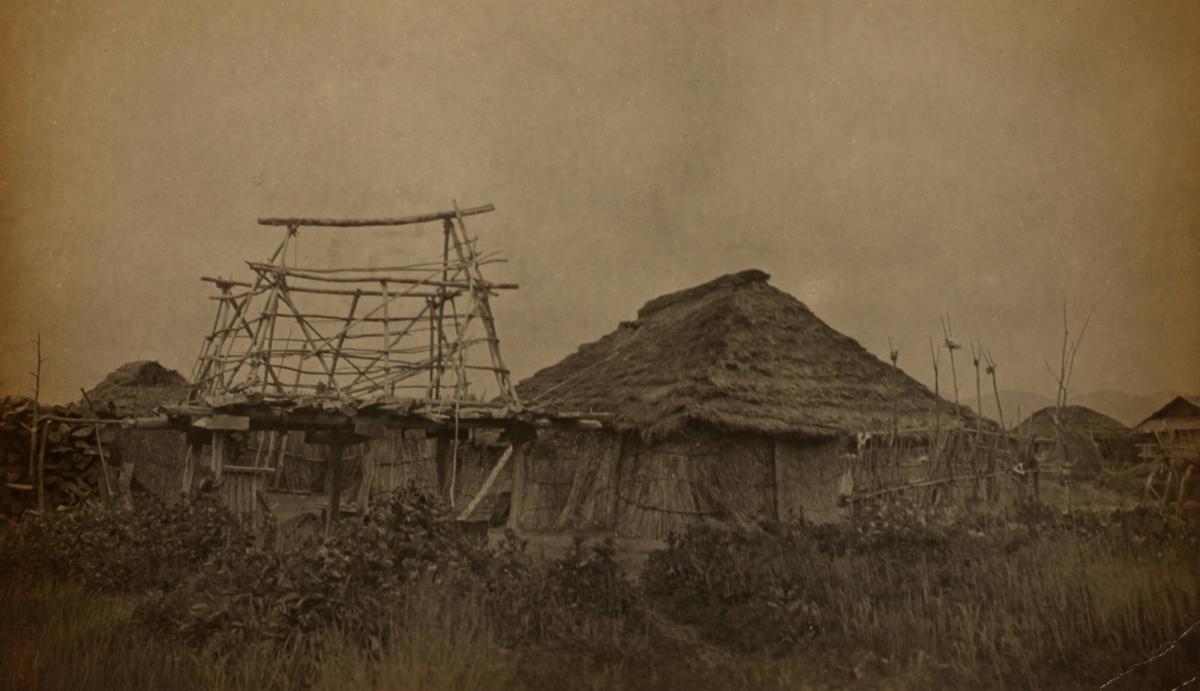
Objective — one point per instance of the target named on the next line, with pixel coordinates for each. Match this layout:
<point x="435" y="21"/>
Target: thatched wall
<point x="810" y="477"/>
<point x="580" y="482"/>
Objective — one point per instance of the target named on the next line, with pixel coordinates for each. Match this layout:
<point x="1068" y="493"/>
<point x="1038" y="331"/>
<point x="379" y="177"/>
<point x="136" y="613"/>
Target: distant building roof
<point x="1182" y="412"/>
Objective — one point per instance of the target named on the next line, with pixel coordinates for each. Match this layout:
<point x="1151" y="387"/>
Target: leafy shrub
<point x="746" y="588"/>
<point x="152" y="546"/>
<point x="359" y="579"/>
<point x="351" y="581"/>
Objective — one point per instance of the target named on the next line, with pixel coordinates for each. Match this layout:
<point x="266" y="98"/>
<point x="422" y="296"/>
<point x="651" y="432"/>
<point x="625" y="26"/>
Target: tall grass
<point x="884" y="602"/>
<point x="1018" y="608"/>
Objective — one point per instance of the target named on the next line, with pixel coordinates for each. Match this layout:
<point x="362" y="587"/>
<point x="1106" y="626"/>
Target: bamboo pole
<point x="337" y="351"/>
<point x="328" y="341"/>
<point x="991" y="370"/>
<point x="341" y="291"/>
<point x="387" y="336"/>
<point x="951" y="346"/>
<point x="935" y="356"/>
<point x="364" y="222"/>
<point x="484" y="308"/>
<point x="374" y="278"/>
<point x="239" y="314"/>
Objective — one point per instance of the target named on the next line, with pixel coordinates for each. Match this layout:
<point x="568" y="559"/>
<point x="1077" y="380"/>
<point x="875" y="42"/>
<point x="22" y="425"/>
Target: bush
<point x="153" y="546"/>
<point x="749" y="589"/>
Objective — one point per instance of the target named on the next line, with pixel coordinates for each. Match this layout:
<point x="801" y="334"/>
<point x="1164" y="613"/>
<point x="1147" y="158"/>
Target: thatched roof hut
<point x="1181" y="413"/>
<point x="738" y="355"/>
<point x="1074" y="417"/>
<point x="730" y="400"/>
<point x="1087" y="437"/>
<point x="137" y="388"/>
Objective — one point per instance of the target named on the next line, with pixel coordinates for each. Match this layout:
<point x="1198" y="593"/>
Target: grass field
<point x="180" y="598"/>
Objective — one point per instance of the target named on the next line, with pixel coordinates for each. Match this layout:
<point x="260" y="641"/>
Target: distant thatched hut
<point x="136" y="389"/>
<point x="1180" y="415"/>
<point x="729" y="400"/>
<point x="1086" y="438"/>
<point x="1172" y="433"/>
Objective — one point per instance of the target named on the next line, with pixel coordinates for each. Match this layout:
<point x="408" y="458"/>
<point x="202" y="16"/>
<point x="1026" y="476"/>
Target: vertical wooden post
<point x="368" y="478"/>
<point x="517" y="500"/>
<point x="442" y="454"/>
<point x="99" y="443"/>
<point x="41" y="469"/>
<point x="335" y="484"/>
<point x="218" y="453"/>
<point x="189" y="468"/>
<point x="281" y="459"/>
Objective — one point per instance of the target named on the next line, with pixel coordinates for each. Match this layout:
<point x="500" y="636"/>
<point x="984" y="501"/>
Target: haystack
<point x="730" y="400"/>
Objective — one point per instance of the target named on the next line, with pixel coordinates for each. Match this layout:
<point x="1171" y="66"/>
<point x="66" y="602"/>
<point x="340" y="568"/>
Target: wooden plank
<point x="190" y="458"/>
<point x="517" y="500"/>
<point x="236" y="423"/>
<point x="370" y="428"/>
<point x="365" y="222"/>
<point x="218" y="453"/>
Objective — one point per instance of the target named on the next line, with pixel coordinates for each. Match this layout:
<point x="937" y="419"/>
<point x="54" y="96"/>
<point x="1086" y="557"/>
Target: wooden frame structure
<point x="345" y="354"/>
<point x="401" y="329"/>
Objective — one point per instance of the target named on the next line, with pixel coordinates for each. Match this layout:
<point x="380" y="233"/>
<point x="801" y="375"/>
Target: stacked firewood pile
<point x="76" y="458"/>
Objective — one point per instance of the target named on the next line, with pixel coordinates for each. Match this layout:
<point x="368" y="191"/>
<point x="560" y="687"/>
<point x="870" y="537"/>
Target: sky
<point x="885" y="162"/>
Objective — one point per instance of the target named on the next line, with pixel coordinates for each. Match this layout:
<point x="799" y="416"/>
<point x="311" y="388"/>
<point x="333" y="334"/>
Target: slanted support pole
<point x="520" y="450"/>
<point x="190" y="459"/>
<point x="336" y="449"/>
<point x="487" y="484"/>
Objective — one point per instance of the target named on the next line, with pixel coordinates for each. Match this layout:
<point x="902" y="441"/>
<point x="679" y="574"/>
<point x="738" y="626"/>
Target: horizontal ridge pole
<point x="333" y="291"/>
<point x="364" y="222"/>
<point x="374" y="278"/>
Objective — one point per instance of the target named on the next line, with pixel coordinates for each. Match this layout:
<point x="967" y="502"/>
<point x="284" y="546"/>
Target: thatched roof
<point x="738" y="355"/>
<point x="1075" y="418"/>
<point x="136" y="388"/>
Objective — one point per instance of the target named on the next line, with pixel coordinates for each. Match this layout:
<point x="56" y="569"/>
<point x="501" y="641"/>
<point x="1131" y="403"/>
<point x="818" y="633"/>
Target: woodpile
<point x="72" y="457"/>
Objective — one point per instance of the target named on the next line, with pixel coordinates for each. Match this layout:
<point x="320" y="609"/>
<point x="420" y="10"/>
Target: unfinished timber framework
<point x="402" y="330"/>
<point x="348" y="354"/>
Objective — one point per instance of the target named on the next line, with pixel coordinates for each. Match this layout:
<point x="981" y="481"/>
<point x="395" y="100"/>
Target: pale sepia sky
<point x="884" y="161"/>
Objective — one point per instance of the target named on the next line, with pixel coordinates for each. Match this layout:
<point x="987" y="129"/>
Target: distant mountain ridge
<point x="1125" y="407"/>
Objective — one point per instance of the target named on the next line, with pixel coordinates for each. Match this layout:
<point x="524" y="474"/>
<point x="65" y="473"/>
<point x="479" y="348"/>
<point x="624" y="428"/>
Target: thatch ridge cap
<point x="732" y="280"/>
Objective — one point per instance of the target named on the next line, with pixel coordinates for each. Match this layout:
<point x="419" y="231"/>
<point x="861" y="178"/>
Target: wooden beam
<point x="365" y="222"/>
<point x="236" y="423"/>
